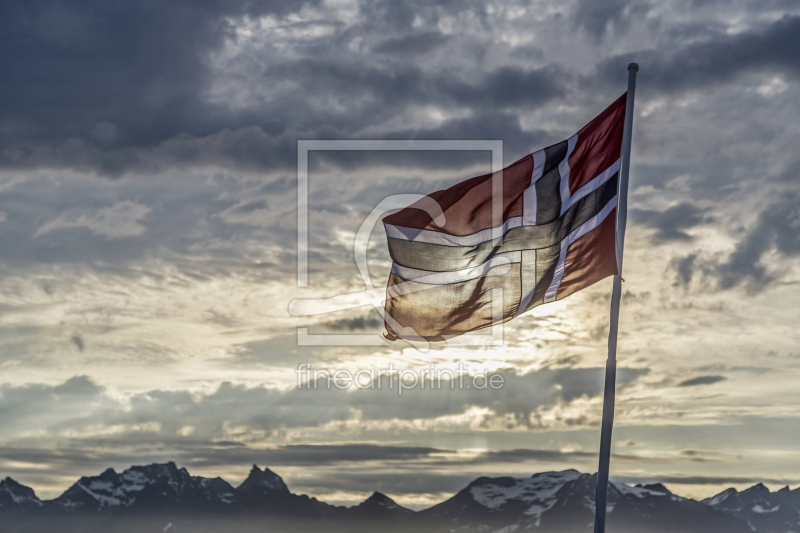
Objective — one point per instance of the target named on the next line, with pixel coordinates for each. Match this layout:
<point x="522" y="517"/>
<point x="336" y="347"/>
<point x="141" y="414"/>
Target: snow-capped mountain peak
<point x="564" y="501"/>
<point x="715" y="501"/>
<point x="761" y="509"/>
<point x="638" y="491"/>
<point x="537" y="492"/>
<point x="17" y="497"/>
<point x="154" y="485"/>
<point x="549" y="502"/>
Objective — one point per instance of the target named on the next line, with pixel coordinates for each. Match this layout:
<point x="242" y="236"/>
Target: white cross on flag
<point x="557" y="236"/>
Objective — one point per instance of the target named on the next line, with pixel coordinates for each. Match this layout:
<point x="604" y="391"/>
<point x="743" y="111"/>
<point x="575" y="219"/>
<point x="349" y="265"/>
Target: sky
<point x="148" y="240"/>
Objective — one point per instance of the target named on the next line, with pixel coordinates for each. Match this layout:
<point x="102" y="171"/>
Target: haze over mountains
<point x="163" y="497"/>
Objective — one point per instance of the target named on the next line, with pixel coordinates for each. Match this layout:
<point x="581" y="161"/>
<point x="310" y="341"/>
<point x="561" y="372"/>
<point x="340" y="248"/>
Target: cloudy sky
<point x="148" y="222"/>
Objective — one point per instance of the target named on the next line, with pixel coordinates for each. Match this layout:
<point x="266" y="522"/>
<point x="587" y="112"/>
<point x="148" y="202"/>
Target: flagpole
<point x="611" y="363"/>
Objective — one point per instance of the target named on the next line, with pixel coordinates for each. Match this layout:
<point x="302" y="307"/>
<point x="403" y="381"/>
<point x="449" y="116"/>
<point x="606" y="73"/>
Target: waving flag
<point x="557" y="236"/>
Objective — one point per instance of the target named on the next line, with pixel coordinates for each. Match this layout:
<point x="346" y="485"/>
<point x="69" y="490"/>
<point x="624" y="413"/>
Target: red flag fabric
<point x="556" y="236"/>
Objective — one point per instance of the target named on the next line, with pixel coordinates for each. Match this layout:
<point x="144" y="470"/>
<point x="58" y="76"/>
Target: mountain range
<point x="163" y="497"/>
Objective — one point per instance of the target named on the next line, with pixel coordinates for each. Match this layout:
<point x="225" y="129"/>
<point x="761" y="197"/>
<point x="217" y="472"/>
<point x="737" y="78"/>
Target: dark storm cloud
<point x="386" y="90"/>
<point x="717" y="60"/>
<point x="706" y="456"/>
<point x="119" y="73"/>
<point x="83" y="403"/>
<point x="125" y="86"/>
<point x="77" y="340"/>
<point x="248" y="206"/>
<point x="598" y="18"/>
<point x="400" y="16"/>
<point x="198" y="453"/>
<point x="670" y="224"/>
<point x="701" y="380"/>
<point x="45" y="406"/>
<point x="333" y="454"/>
<point x="361" y="322"/>
<point x="705" y="480"/>
<point x="309" y="454"/>
<point x="527" y="455"/>
<point x="78" y="386"/>
<point x="775" y="230"/>
<point x="684" y="269"/>
<point x="488" y="124"/>
<point x="371" y="96"/>
<point x="522" y="455"/>
<point x="414" y="44"/>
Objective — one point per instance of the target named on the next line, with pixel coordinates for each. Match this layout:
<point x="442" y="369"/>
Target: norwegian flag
<point x="557" y="236"/>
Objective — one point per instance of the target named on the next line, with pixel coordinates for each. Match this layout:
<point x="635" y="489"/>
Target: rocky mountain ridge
<point x="545" y="502"/>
